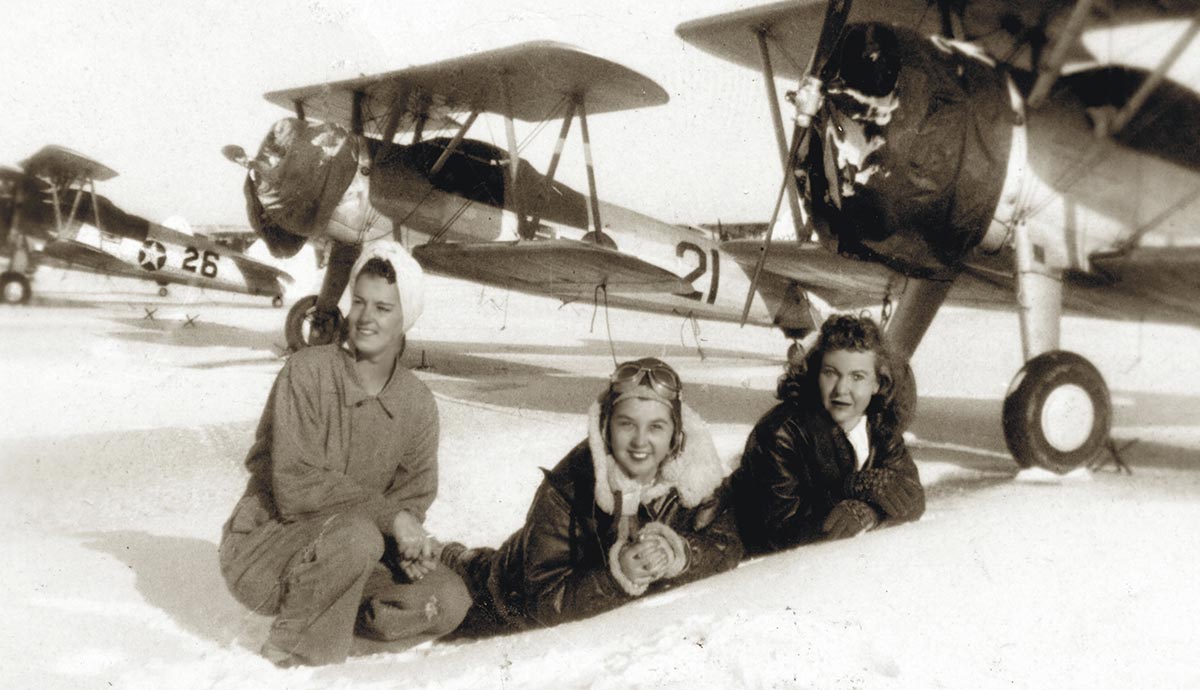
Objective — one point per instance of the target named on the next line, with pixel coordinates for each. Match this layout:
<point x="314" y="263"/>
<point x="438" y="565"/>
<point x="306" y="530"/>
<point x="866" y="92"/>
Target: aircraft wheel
<point x="277" y="301"/>
<point x="306" y="327"/>
<point x="15" y="288"/>
<point x="162" y="291"/>
<point x="1057" y="413"/>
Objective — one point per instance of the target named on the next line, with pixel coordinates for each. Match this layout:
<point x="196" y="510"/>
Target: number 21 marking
<point x="701" y="267"/>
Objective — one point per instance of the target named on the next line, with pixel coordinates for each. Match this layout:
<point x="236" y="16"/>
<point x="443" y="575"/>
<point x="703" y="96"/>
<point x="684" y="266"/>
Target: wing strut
<point x="458" y="137"/>
<point x="514" y="156"/>
<point x="357" y="124"/>
<point x="591" y="170"/>
<point x="58" y="219"/>
<point x="1138" y="99"/>
<point x="395" y="112"/>
<point x="768" y="73"/>
<point x="419" y="127"/>
<point x="548" y="180"/>
<point x="1050" y="68"/>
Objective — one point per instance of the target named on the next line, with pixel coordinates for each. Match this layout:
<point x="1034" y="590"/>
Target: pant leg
<point x="433" y="605"/>
<point x="321" y="589"/>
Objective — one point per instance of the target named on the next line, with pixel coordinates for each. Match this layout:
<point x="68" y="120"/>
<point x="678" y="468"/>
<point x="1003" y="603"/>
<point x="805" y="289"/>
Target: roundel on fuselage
<point x="152" y="256"/>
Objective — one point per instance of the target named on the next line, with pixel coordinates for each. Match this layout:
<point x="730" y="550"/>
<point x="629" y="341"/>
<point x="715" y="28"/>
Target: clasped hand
<point x="646" y="559"/>
<point x="418" y="549"/>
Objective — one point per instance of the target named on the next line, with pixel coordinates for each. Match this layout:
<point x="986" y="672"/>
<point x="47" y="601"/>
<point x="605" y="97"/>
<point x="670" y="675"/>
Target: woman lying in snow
<point x="829" y="460"/>
<point x="635" y="508"/>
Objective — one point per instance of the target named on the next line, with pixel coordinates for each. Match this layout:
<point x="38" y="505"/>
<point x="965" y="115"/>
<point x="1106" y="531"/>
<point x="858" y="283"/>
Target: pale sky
<point x="155" y="89"/>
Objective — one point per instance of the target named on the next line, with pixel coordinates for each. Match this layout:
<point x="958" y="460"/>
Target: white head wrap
<point x="410" y="279"/>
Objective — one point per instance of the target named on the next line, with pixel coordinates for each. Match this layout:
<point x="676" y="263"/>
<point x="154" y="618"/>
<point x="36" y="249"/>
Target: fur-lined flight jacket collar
<point x="695" y="472"/>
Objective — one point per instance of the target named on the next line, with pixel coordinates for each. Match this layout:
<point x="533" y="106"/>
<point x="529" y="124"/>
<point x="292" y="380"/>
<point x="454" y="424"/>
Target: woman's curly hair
<point x="844" y="332"/>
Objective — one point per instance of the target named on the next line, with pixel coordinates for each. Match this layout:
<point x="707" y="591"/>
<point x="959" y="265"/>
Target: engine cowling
<point x="909" y="153"/>
<point x="309" y="180"/>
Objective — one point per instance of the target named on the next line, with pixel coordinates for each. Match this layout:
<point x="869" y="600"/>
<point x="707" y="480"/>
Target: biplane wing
<point x="568" y="269"/>
<point x="256" y="272"/>
<point x="848" y="284"/>
<point x="538" y="76"/>
<point x="87" y="256"/>
<point x="1019" y="32"/>
<point x="1156" y="283"/>
<point x="61" y="163"/>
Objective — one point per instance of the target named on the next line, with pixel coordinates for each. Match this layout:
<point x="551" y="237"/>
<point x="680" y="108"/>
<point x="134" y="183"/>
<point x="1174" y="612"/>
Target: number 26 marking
<point x="701" y="268"/>
<point x="208" y="264"/>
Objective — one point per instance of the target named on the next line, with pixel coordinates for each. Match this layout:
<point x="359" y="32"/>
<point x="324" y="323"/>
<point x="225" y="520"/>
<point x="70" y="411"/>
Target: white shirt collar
<point x="861" y="442"/>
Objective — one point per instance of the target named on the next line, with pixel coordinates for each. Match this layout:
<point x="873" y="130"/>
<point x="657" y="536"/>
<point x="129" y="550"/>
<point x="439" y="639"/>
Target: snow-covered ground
<point x="122" y="438"/>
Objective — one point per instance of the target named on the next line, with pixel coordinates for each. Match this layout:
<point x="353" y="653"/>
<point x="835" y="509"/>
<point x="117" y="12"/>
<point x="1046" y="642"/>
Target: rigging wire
<point x="601" y="288"/>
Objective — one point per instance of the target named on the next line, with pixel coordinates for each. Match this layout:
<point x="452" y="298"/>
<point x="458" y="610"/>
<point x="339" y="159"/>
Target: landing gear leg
<point x="14" y="283"/>
<point x="1058" y="412"/>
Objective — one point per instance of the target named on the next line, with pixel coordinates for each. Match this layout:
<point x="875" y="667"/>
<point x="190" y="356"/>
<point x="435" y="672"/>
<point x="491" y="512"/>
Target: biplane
<point x="50" y="212"/>
<point x="1045" y="153"/>
<point x="336" y="174"/>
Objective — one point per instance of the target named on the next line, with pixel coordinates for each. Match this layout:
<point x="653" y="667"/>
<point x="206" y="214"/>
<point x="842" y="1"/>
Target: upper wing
<point x="539" y="76"/>
<point x="1015" y="31"/>
<point x="59" y="162"/>
<point x="567" y="269"/>
<point x="791" y="29"/>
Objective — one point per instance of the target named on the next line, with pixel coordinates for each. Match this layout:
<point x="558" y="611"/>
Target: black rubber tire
<point x="277" y="301"/>
<point x="14" y="278"/>
<point x="1049" y="374"/>
<point x="162" y="291"/>
<point x="302" y="313"/>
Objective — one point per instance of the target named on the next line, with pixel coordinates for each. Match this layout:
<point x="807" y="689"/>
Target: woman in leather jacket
<point x="633" y="509"/>
<point x="829" y="460"/>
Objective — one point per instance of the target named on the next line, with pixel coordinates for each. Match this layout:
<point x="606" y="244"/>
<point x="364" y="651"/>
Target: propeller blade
<point x="235" y="154"/>
<point x="808" y="100"/>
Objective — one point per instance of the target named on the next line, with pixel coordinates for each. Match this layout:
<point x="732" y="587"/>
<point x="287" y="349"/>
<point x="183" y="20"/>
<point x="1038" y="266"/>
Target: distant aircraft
<point x="49" y="210"/>
<point x="1055" y="160"/>
<point x="483" y="213"/>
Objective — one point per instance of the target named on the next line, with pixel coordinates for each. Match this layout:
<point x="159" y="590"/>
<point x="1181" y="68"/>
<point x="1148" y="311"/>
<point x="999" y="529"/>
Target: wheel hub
<point x="1068" y="417"/>
<point x="13" y="292"/>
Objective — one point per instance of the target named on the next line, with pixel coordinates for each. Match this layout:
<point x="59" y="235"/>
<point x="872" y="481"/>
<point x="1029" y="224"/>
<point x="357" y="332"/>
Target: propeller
<point x="235" y="154"/>
<point x="808" y="98"/>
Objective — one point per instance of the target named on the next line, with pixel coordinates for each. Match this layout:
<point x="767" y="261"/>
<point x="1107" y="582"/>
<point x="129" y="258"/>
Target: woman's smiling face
<point x="376" y="319"/>
<point x="640" y="432"/>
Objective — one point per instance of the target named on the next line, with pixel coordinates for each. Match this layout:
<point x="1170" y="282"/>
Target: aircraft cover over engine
<point x="304" y="182"/>
<point x="910" y="151"/>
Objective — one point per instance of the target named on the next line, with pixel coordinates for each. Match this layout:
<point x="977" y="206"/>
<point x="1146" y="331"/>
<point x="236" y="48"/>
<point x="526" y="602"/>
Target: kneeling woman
<point x="635" y="508"/>
<point x="829" y="460"/>
<point x="328" y="535"/>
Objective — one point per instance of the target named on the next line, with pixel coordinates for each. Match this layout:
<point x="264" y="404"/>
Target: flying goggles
<point x="652" y="373"/>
